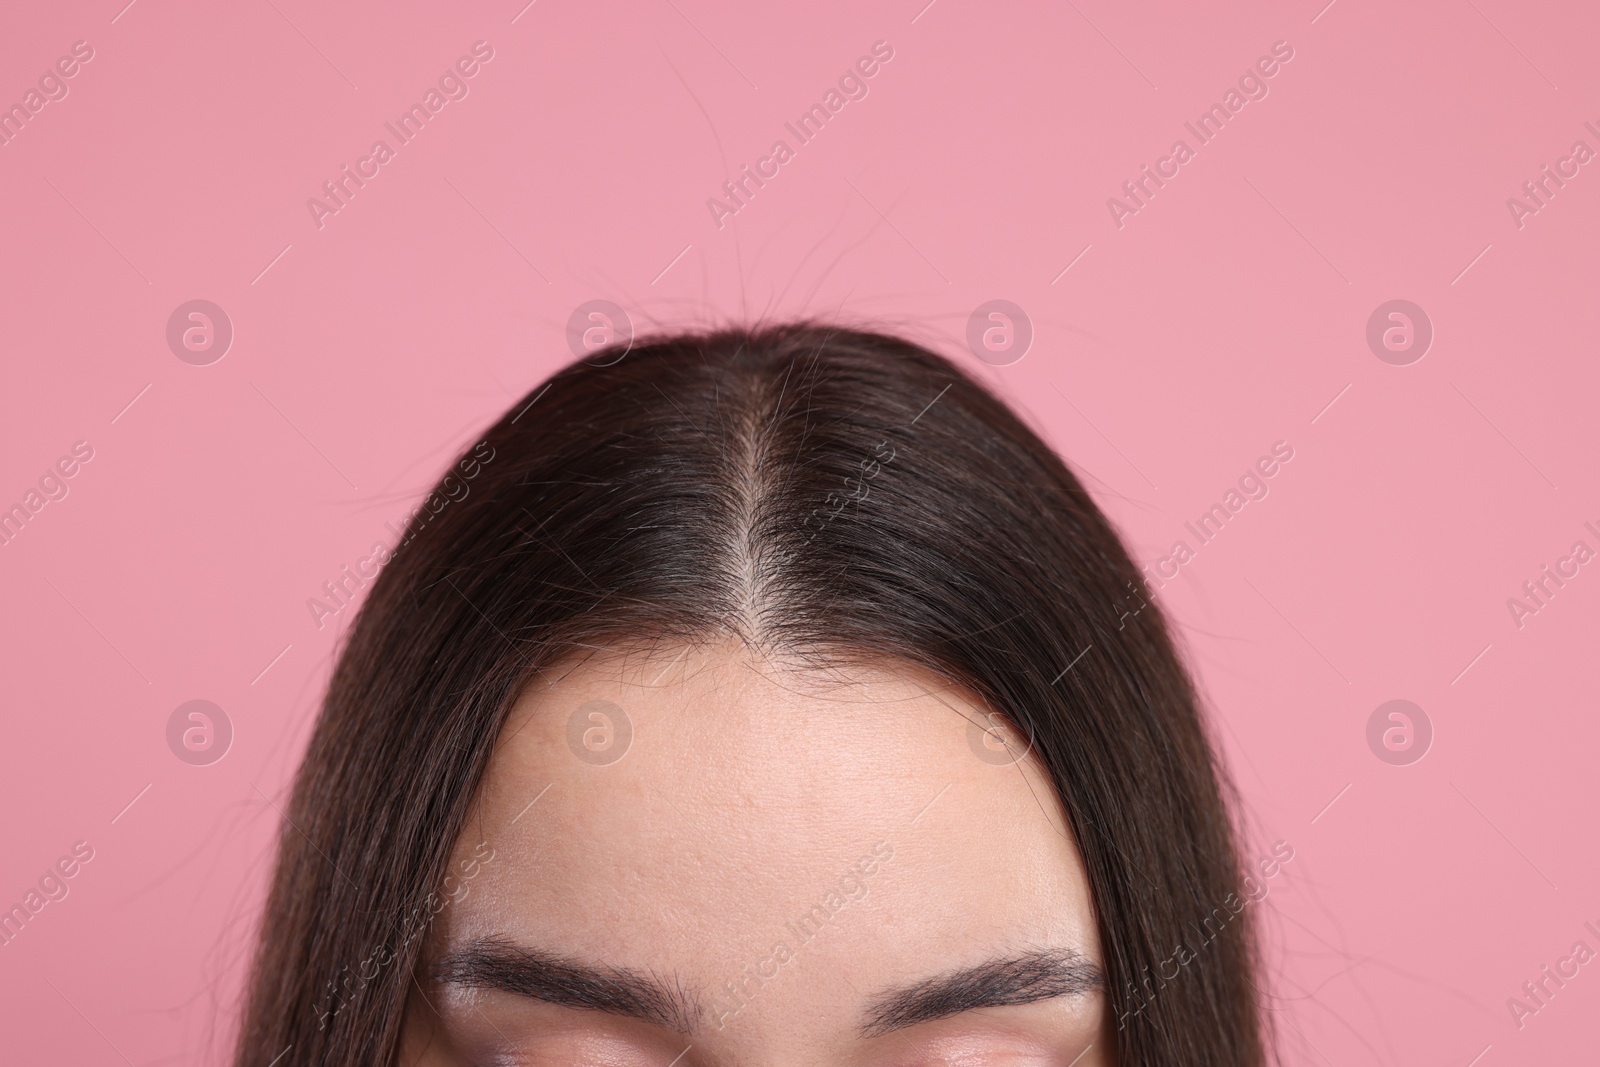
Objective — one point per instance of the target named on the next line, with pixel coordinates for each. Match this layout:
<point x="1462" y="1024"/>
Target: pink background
<point x="1224" y="316"/>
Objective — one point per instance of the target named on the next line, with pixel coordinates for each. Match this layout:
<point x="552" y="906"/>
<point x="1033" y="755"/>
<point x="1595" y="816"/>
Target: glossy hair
<point x="808" y="489"/>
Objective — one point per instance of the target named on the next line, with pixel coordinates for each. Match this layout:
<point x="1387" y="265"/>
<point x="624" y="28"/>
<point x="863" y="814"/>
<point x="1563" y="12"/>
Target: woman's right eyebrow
<point x="497" y="963"/>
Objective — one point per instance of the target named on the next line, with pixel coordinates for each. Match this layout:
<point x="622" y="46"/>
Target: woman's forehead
<point x="772" y="743"/>
<point x="711" y="808"/>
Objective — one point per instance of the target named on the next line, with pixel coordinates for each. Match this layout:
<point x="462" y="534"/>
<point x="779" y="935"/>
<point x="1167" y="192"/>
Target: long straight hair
<point x="806" y="488"/>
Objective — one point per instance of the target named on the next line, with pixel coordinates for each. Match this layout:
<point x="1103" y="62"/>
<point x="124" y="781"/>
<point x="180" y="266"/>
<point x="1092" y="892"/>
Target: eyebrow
<point x="499" y="964"/>
<point x="1024" y="979"/>
<point x="495" y="963"/>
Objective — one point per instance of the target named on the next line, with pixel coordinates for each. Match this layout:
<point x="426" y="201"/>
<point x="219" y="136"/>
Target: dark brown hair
<point x="803" y="487"/>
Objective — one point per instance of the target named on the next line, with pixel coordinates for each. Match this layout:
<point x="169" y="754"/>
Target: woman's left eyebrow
<point x="1024" y="979"/>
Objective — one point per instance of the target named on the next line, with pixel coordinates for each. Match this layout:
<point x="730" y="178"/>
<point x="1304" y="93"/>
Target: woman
<point x="771" y="696"/>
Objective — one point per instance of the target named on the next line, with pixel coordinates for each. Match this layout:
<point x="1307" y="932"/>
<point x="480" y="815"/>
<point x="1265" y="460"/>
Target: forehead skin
<point x="749" y="793"/>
